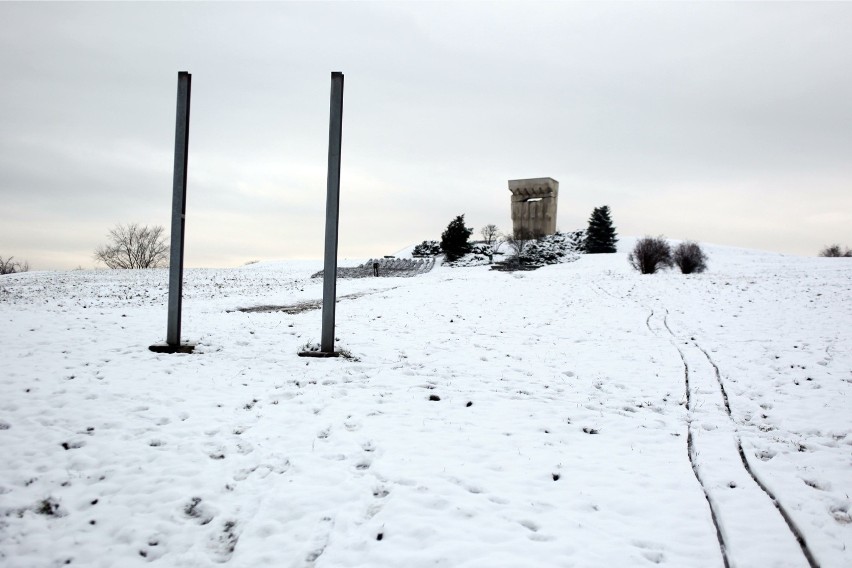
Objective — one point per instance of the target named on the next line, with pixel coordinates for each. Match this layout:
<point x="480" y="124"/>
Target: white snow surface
<point x="558" y="435"/>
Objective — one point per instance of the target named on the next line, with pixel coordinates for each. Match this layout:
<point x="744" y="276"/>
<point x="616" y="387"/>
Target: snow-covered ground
<point x="578" y="415"/>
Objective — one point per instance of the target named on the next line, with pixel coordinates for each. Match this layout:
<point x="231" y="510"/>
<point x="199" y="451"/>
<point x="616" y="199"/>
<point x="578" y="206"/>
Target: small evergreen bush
<point x="454" y="241"/>
<point x="427" y="248"/>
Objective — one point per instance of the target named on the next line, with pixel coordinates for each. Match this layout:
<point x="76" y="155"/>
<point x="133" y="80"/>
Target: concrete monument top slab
<point x="534" y="205"/>
<point x="538" y="187"/>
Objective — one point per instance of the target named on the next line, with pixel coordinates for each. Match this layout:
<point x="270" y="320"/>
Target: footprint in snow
<point x="319" y="542"/>
<point x="841" y="514"/>
<point x="262" y="471"/>
<point x="152" y="551"/>
<point x="215" y="451"/>
<point x="817" y="484"/>
<point x="654" y="556"/>
<point x="650" y="551"/>
<point x="224" y="541"/>
<point x="198" y="511"/>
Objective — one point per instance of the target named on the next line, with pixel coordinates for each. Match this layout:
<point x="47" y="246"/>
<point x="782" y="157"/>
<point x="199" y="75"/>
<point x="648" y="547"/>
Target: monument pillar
<point x="534" y="205"/>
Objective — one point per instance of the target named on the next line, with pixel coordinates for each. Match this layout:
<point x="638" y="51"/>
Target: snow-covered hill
<point x="578" y="415"/>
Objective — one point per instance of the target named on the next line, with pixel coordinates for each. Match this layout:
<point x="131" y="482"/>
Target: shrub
<point x="427" y="248"/>
<point x="520" y="240"/>
<point x="11" y="266"/>
<point x="689" y="257"/>
<point x="650" y="254"/>
<point x="454" y="241"/>
<point x="600" y="236"/>
<point x="834" y="251"/>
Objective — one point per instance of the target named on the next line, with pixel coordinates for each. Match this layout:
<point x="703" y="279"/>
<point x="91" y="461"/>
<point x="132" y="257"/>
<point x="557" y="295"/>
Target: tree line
<point x="134" y="246"/>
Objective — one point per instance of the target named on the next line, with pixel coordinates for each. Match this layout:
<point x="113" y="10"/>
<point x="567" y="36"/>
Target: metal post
<point x="332" y="212"/>
<point x="178" y="208"/>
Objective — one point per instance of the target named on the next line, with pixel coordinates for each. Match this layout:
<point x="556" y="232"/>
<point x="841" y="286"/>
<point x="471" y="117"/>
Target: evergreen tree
<point x="454" y="239"/>
<point x="601" y="235"/>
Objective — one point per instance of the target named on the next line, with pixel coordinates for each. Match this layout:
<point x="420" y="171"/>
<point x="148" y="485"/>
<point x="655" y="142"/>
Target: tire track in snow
<point x="724" y="542"/>
<point x="690" y="448"/>
<point x="693" y="461"/>
<point x="787" y="518"/>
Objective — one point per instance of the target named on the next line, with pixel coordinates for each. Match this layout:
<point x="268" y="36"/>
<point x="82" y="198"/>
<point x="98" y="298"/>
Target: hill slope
<point x="581" y="414"/>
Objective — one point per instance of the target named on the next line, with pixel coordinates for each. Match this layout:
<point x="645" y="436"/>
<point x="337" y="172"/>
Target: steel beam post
<point x="332" y="213"/>
<point x="178" y="209"/>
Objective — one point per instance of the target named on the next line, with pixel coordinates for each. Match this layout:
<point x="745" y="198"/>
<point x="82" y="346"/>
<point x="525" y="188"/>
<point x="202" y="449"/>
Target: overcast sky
<point x="722" y="122"/>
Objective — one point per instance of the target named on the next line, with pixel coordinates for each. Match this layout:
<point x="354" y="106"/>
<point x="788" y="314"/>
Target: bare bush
<point x="10" y="266"/>
<point x="650" y="255"/>
<point x="131" y="246"/>
<point x="519" y="240"/>
<point x="835" y="251"/>
<point x="689" y="257"/>
<point x="498" y="241"/>
<point x="490" y="234"/>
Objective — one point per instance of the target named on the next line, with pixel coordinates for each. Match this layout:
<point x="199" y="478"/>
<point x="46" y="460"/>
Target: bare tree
<point x="490" y="234"/>
<point x="650" y="254"/>
<point x="519" y="240"/>
<point x="9" y="266"/>
<point x="689" y="257"/>
<point x="497" y="241"/>
<point x="835" y="251"/>
<point x="132" y="246"/>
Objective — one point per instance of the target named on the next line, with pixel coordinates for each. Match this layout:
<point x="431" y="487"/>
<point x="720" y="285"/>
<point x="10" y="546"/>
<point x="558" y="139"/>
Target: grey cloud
<point x="624" y="103"/>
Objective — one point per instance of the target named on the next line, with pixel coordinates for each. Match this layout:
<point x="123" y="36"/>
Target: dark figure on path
<point x="375" y="268"/>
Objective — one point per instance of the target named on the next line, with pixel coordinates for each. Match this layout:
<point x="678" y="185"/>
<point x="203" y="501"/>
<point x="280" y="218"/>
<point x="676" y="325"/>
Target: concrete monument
<point x="534" y="205"/>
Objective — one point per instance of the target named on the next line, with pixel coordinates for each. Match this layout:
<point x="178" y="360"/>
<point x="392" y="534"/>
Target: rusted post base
<point x="318" y="354"/>
<point x="166" y="348"/>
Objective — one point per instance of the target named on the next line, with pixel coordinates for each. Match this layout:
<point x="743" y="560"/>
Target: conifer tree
<point x="454" y="239"/>
<point x="601" y="235"/>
